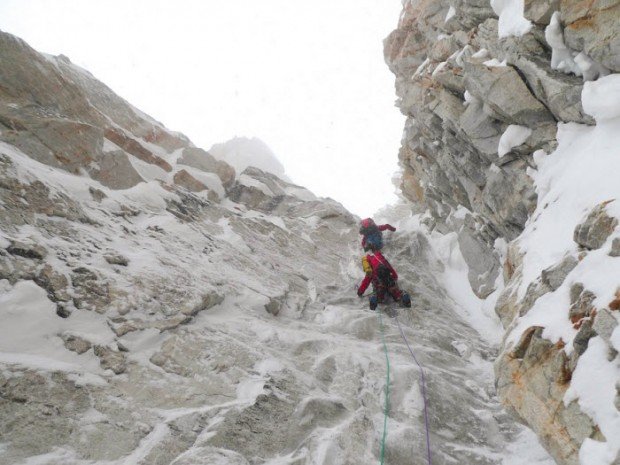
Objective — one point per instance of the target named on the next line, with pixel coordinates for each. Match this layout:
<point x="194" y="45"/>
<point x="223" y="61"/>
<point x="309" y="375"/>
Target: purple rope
<point x="423" y="389"/>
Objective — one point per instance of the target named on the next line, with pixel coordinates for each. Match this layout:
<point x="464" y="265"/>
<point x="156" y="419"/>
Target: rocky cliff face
<point x="483" y="86"/>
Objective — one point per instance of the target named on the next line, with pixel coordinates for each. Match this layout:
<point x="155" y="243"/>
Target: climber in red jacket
<point x="383" y="277"/>
<point x="372" y="239"/>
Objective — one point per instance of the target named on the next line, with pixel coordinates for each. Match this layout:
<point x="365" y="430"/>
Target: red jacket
<point x="381" y="227"/>
<point x="374" y="259"/>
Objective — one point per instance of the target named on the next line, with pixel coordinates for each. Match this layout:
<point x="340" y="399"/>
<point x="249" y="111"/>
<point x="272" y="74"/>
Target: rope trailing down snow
<point x="387" y="389"/>
<point x="422" y="389"/>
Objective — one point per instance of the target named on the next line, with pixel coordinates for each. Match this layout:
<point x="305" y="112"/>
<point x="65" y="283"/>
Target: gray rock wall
<point x="460" y="87"/>
<point x="457" y="108"/>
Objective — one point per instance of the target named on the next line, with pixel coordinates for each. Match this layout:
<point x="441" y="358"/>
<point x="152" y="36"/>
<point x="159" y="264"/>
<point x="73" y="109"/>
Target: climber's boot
<point x="405" y="300"/>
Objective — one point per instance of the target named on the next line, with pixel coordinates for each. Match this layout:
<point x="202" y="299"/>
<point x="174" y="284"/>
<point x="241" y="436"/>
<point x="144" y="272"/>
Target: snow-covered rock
<point x="531" y="152"/>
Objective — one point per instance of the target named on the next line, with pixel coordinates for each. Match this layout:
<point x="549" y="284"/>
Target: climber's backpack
<point x="384" y="276"/>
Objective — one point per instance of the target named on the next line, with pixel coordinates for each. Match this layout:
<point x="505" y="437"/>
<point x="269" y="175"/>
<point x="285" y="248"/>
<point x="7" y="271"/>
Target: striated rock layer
<point x="465" y="85"/>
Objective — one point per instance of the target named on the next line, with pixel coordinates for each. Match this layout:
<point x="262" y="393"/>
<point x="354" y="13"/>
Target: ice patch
<point x="511" y="19"/>
<point x="439" y="67"/>
<point x="149" y="195"/>
<point x="250" y="388"/>
<point x="301" y="193"/>
<point x="148" y="171"/>
<point x="268" y="366"/>
<point x="31" y="330"/>
<point x="450" y="14"/>
<point x="526" y="450"/>
<point x="513" y="136"/>
<point x="594" y="385"/>
<point x="601" y="98"/>
<point x="109" y="146"/>
<point x="482" y="53"/>
<point x="455" y="279"/>
<point x="495" y="63"/>
<point x="566" y="60"/>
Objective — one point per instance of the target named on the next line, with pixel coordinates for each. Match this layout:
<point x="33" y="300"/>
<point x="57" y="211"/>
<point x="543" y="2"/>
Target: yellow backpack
<point x="366" y="266"/>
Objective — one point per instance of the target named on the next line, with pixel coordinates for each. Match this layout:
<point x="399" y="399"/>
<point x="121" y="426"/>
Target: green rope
<point x="387" y="389"/>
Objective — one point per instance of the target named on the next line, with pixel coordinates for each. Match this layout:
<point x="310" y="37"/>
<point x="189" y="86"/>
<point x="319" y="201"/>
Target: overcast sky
<point x="306" y="77"/>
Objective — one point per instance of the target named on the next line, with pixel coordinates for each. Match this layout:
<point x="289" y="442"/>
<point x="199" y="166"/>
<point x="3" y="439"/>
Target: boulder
<point x="406" y="48"/>
<point x="62" y="310"/>
<point x="132" y="146"/>
<point x="509" y="194"/>
<point x="184" y="179"/>
<point x="451" y="78"/>
<point x="91" y="292"/>
<point x="203" y="160"/>
<point x="555" y="275"/>
<point x="275" y="305"/>
<point x="583" y="336"/>
<point x="447" y="106"/>
<point x="535" y="290"/>
<point x="605" y="323"/>
<point x="208" y="300"/>
<point x="171" y="323"/>
<point x="532" y="380"/>
<point x="560" y="92"/>
<point x="593" y="232"/>
<point x="470" y="13"/>
<point x="581" y="302"/>
<point x="75" y="343"/>
<point x="97" y="194"/>
<point x="592" y="27"/>
<point x="122" y="326"/>
<point x="519" y="350"/>
<point x="27" y="250"/>
<point x="505" y="95"/>
<point x="116" y="259"/>
<point x="482" y="261"/>
<point x="114" y="170"/>
<point x="54" y="283"/>
<point x="540" y="11"/>
<point x="110" y="359"/>
<point x="64" y="143"/>
<point x="443" y="48"/>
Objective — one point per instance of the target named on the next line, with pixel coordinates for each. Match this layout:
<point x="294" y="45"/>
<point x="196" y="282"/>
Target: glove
<point x="392" y="228"/>
<point x="360" y="294"/>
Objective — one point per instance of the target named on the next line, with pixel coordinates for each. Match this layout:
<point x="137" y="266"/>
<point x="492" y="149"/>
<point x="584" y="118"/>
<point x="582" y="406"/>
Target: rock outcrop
<point x="60" y="115"/>
<point x="461" y="82"/>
